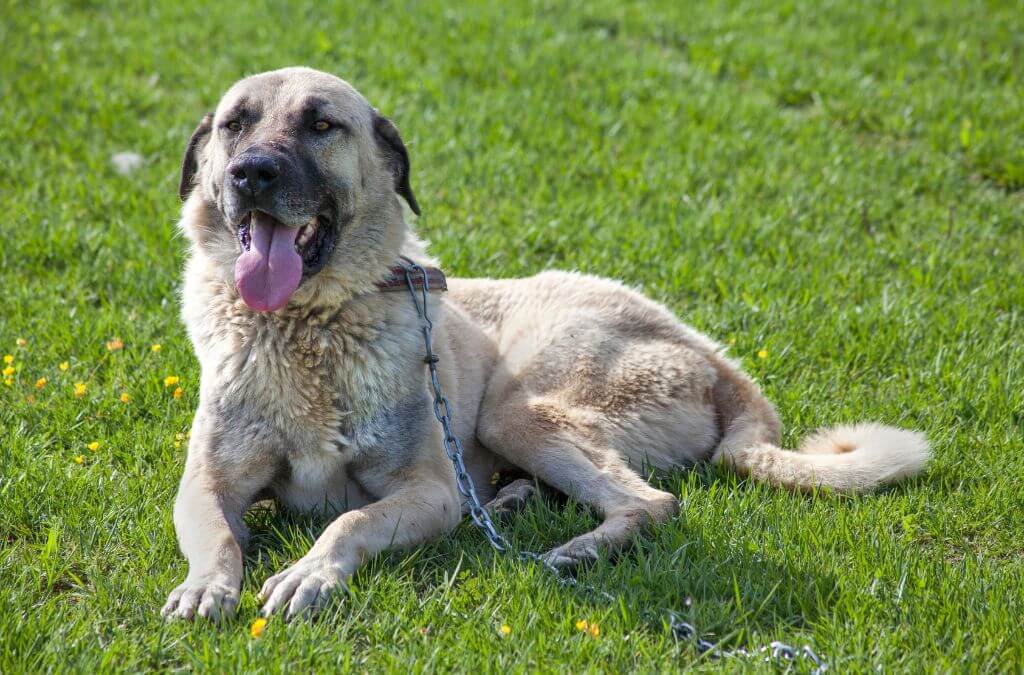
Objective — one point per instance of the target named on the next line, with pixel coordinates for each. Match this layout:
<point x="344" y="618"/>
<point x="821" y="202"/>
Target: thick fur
<point x="324" y="405"/>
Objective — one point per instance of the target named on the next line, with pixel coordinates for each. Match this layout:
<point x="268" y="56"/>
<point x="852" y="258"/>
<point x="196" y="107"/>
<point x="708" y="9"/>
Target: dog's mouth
<point x="276" y="257"/>
<point x="314" y="241"/>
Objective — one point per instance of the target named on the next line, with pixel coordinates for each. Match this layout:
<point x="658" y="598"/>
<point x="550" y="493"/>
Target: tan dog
<point x="314" y="390"/>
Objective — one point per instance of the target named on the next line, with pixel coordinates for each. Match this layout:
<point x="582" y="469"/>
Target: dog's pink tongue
<point x="270" y="271"/>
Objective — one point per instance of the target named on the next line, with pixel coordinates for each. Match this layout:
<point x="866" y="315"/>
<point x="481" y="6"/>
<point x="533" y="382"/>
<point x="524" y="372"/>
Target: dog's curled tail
<point x="854" y="458"/>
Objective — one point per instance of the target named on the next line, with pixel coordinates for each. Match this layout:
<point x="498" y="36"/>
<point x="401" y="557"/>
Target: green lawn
<point x="841" y="187"/>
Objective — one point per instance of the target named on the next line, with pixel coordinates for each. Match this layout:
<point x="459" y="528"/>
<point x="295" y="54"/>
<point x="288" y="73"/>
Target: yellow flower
<point x="79" y="389"/>
<point x="257" y="627"/>
<point x="592" y="629"/>
<point x="125" y="397"/>
<point x="8" y="381"/>
<point x="8" y="359"/>
<point x="763" y="354"/>
<point x="8" y="371"/>
<point x="94" y="446"/>
<point x="114" y="345"/>
<point x="170" y="380"/>
<point x="155" y="348"/>
<point x="505" y="630"/>
<point x="40" y="383"/>
<point x="178" y="393"/>
<point x="64" y="365"/>
<point x="79" y="459"/>
<point x="21" y="342"/>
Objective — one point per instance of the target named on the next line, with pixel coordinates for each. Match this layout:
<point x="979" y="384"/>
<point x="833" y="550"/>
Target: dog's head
<point x="290" y="181"/>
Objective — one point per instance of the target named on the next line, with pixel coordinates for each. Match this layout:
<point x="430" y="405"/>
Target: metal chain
<point x="681" y="630"/>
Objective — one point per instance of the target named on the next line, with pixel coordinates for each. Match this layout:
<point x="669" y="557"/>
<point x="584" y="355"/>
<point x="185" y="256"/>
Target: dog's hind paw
<point x="511" y="498"/>
<point x="575" y="553"/>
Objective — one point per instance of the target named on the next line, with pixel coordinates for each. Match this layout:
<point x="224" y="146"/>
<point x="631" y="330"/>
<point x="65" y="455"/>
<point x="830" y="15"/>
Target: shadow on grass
<point x="278" y="533"/>
<point x="710" y="575"/>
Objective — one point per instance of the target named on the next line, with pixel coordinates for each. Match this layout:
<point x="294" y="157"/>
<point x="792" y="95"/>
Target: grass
<point x="838" y="185"/>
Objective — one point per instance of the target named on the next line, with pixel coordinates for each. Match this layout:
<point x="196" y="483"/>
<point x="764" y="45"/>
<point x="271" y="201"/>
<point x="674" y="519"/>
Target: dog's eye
<point x="234" y="125"/>
<point x="321" y="125"/>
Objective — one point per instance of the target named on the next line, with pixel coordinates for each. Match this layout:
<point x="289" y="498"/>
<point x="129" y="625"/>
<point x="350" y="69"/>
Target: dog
<point x="315" y="392"/>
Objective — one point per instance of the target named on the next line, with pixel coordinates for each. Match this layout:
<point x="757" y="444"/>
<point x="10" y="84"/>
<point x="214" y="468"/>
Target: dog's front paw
<point x="306" y="585"/>
<point x="210" y="598"/>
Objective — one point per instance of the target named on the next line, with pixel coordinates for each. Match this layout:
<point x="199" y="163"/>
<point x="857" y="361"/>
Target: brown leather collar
<point x="396" y="279"/>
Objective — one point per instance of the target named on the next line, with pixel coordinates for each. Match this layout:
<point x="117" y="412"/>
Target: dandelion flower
<point x="178" y="393"/>
<point x="171" y="380"/>
<point x="505" y="630"/>
<point x="125" y="397"/>
<point x="79" y="389"/>
<point x="257" y="627"/>
<point x="155" y="348"/>
<point x="115" y="345"/>
<point x="763" y="354"/>
<point x="8" y="381"/>
<point x="64" y="365"/>
<point x="21" y="342"/>
<point x="79" y="459"/>
<point x="40" y="383"/>
<point x="94" y="446"/>
<point x="591" y="629"/>
<point x="8" y="371"/>
<point x="8" y="359"/>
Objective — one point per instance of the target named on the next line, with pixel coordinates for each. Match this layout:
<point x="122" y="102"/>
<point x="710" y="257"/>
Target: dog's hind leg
<point x="538" y="437"/>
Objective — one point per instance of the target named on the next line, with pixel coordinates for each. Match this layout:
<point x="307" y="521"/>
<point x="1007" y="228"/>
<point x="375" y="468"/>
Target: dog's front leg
<point x="212" y="498"/>
<point x="417" y="506"/>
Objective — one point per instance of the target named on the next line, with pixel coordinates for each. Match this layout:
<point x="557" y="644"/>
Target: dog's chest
<point x="312" y="379"/>
<point x="318" y="480"/>
<point x="332" y="397"/>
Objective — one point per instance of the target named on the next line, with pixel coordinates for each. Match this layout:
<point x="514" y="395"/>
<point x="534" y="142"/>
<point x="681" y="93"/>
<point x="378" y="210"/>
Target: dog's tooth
<point x="304" y="237"/>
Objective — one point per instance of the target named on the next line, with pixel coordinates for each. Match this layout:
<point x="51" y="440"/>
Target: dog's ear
<point x="189" y="165"/>
<point x="397" y="157"/>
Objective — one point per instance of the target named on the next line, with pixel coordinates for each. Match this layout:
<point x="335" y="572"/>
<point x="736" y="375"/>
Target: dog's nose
<point x="254" y="174"/>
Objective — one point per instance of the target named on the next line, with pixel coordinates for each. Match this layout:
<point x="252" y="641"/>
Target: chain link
<point x="682" y="631"/>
